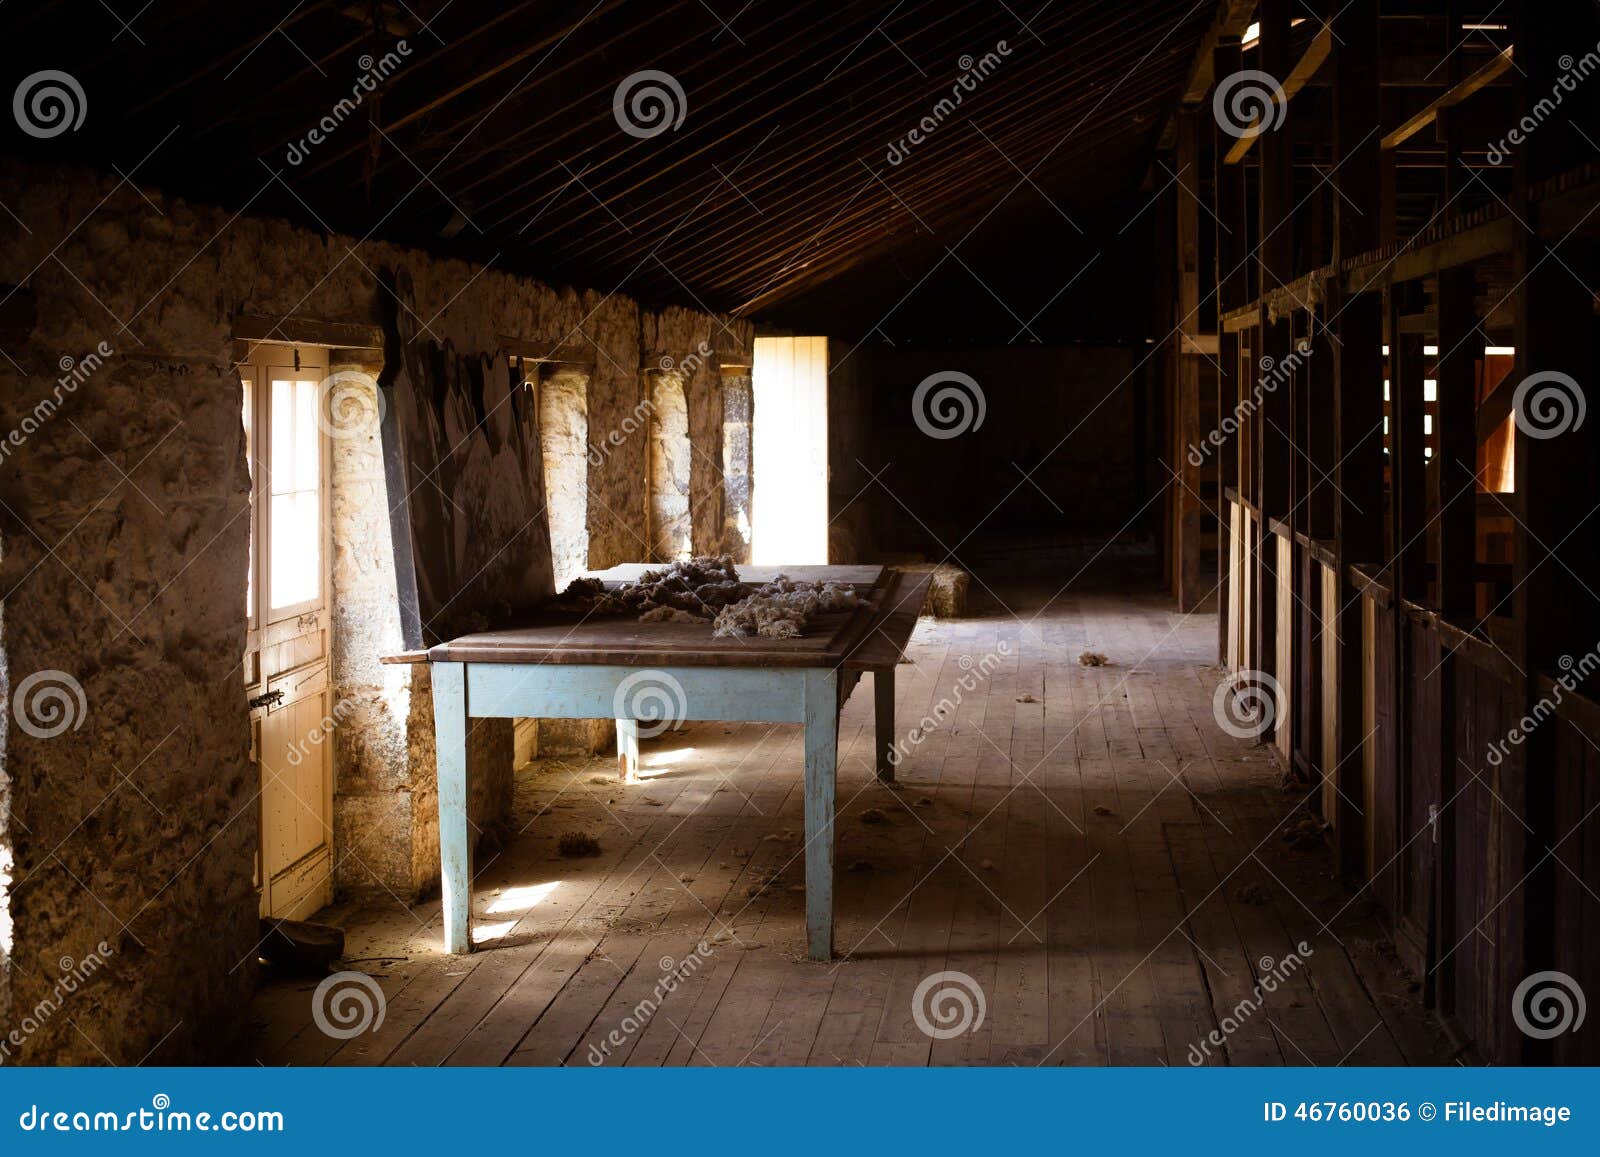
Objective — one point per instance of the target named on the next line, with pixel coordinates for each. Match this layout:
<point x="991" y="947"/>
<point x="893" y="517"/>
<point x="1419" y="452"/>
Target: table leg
<point x="628" y="750"/>
<point x="455" y="848"/>
<point x="822" y="755"/>
<point x="883" y="709"/>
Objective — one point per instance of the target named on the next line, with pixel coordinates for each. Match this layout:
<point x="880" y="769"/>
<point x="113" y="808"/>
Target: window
<point x="789" y="497"/>
<point x="294" y="483"/>
<point x="286" y="443"/>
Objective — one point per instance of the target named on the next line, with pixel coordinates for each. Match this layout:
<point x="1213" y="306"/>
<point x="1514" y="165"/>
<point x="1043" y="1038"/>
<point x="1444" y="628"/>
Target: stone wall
<point x="671" y="465"/>
<point x="564" y="430"/>
<point x="386" y="823"/>
<point x="737" y="397"/>
<point x="123" y="552"/>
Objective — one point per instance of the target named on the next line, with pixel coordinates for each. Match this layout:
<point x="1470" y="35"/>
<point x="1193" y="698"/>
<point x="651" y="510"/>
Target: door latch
<point x="268" y="699"/>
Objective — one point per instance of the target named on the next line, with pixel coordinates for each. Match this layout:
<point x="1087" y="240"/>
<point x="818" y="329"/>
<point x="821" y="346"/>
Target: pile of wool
<point x="781" y="608"/>
<point x="689" y="591"/>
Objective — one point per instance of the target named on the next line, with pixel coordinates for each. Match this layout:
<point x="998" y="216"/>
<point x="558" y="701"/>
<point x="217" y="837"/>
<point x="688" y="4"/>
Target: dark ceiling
<point x="492" y="132"/>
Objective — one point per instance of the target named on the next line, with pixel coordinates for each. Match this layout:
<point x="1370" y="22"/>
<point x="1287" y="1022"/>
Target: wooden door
<point x="286" y="649"/>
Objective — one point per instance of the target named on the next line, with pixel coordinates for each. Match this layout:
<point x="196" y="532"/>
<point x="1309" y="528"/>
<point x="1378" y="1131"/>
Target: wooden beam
<point x="1372" y="271"/>
<point x="1300" y="75"/>
<point x="1452" y="96"/>
<point x="1233" y="17"/>
<point x="306" y="331"/>
<point x="549" y="351"/>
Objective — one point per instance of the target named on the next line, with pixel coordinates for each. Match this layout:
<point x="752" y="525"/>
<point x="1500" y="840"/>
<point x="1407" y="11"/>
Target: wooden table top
<point x="870" y="636"/>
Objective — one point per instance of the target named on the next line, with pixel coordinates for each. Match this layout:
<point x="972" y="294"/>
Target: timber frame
<point x="1404" y="268"/>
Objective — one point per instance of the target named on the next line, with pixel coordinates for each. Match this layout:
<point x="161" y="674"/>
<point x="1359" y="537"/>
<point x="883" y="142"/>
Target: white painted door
<point x="789" y="451"/>
<point x="286" y="650"/>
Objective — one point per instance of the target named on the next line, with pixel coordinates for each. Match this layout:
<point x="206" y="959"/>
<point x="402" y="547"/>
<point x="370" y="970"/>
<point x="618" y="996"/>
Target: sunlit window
<point x="790" y="450"/>
<point x="295" y="513"/>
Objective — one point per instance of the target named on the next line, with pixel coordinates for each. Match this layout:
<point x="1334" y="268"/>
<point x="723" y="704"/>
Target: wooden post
<point x="1358" y="394"/>
<point x="1232" y="285"/>
<point x="883" y="720"/>
<point x="821" y="743"/>
<point x="1461" y="346"/>
<point x="1276" y="251"/>
<point x="455" y="844"/>
<point x="1188" y="502"/>
<point x="628" y="750"/>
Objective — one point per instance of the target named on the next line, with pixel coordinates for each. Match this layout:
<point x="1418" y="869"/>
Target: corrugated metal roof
<point x="786" y="157"/>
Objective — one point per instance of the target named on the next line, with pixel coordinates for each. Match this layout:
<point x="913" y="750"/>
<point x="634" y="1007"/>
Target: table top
<point x="871" y="636"/>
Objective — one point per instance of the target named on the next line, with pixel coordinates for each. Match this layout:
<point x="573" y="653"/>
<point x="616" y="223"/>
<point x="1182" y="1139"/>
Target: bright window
<point x="294" y="484"/>
<point x="789" y="445"/>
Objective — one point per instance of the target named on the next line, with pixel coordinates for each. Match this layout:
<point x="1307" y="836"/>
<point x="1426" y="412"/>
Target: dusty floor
<point x="1110" y="874"/>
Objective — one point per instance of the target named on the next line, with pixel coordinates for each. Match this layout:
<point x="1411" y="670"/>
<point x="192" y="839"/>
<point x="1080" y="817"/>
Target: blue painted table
<point x="660" y="674"/>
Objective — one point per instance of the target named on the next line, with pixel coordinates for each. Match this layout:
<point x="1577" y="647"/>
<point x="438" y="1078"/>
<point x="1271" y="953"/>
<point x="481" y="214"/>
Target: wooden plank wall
<point x="1577" y="773"/>
<point x="1403" y="655"/>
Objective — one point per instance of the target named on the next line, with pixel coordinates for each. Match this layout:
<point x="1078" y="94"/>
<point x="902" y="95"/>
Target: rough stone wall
<point x="372" y="804"/>
<point x="619" y="429"/>
<point x="134" y="815"/>
<point x="564" y="431"/>
<point x="385" y="805"/>
<point x="670" y="468"/>
<point x="686" y="344"/>
<point x="738" y="398"/>
<point x="124" y="539"/>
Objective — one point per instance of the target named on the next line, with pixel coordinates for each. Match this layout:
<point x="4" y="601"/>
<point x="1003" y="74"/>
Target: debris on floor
<point x="1092" y="659"/>
<point x="1305" y="834"/>
<point x="761" y="883"/>
<point x="1251" y="893"/>
<point x="1100" y="809"/>
<point x="925" y="801"/>
<point x="1026" y="698"/>
<point x="298" y="948"/>
<point x="574" y="845"/>
<point x="874" y="816"/>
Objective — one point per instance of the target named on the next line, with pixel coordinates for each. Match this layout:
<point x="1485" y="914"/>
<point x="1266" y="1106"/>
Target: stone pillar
<point x="564" y="438"/>
<point x="385" y="803"/>
<point x="737" y="402"/>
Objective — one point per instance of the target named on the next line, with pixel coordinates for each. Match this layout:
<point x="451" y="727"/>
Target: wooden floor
<point x="1111" y="873"/>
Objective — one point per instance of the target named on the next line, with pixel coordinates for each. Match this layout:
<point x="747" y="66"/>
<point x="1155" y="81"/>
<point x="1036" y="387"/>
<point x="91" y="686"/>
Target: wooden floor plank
<point x="1104" y="868"/>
